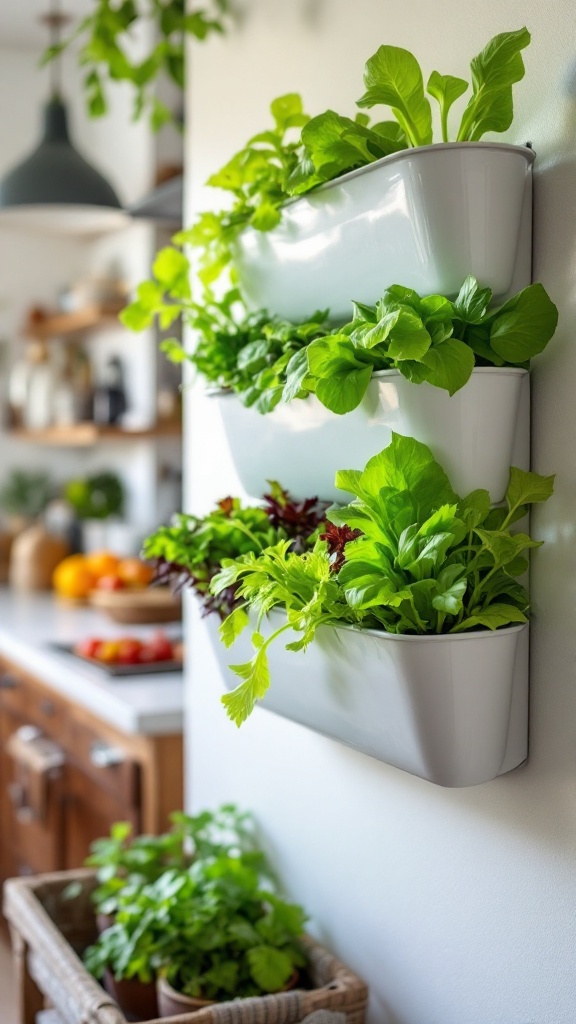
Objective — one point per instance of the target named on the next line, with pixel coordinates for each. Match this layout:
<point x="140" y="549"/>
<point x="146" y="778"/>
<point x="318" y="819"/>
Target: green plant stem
<point x="444" y="121"/>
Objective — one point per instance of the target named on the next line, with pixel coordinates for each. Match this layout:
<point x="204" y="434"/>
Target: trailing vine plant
<point x="106" y="36"/>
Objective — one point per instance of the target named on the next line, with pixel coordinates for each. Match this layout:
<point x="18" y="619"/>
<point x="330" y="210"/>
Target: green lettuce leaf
<point x="393" y="77"/>
<point x="494" y="71"/>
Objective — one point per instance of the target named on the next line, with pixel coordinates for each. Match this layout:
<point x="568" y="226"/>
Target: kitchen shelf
<point x="83" y="435"/>
<point x="62" y="325"/>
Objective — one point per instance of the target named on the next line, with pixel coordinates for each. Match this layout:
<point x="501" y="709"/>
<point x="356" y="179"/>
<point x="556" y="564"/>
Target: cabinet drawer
<point x="36" y="704"/>
<point x="14" y="693"/>
<point x="107" y="763"/>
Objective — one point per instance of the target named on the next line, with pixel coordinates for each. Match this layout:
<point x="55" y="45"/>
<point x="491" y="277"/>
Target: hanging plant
<point x="106" y="36"/>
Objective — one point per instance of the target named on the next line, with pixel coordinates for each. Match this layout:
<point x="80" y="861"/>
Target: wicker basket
<point x="49" y="934"/>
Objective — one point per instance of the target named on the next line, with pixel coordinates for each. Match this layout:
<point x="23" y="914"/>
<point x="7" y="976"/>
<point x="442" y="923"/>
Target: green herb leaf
<point x="393" y="77"/>
<point x="496" y="616"/>
<point x="449" y="365"/>
<point x="233" y="626"/>
<point x="270" y="968"/>
<point x="527" y="488"/>
<point x="494" y="71"/>
<point x="256" y="675"/>
<point x="446" y="89"/>
<point x="524" y="325"/>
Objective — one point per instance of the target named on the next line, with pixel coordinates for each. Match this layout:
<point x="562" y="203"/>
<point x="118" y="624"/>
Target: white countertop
<point x="148" y="704"/>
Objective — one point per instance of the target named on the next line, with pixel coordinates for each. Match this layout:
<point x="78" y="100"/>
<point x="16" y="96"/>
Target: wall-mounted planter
<point x="476" y="434"/>
<point x="450" y="709"/>
<point x="424" y="218"/>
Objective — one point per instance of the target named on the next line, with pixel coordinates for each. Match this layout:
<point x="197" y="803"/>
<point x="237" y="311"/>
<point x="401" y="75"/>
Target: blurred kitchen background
<point x="89" y="412"/>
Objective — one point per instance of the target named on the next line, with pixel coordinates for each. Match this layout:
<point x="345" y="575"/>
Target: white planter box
<point x="424" y="218"/>
<point x="450" y="709"/>
<point x="476" y="434"/>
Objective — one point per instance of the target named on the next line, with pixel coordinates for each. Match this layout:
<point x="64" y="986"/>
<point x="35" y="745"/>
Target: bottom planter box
<point x="452" y="709"/>
<point x="50" y="931"/>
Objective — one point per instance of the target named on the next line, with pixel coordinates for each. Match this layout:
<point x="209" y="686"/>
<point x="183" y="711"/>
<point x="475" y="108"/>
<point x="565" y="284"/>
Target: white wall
<point x="458" y="907"/>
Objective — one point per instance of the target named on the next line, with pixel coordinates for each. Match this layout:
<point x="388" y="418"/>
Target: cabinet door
<point x="90" y="811"/>
<point x="32" y="809"/>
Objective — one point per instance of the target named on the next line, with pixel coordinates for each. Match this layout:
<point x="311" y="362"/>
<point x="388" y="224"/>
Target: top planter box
<point x="424" y="218"/>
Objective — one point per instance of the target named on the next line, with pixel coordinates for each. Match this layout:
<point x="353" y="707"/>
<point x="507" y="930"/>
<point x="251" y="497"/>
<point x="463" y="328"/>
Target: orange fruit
<point x="72" y="577"/>
<point x="102" y="563"/>
<point x="134" y="573"/>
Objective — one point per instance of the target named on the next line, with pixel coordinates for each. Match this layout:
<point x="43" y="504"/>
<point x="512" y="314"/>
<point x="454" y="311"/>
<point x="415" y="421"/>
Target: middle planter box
<point x="476" y="434"/>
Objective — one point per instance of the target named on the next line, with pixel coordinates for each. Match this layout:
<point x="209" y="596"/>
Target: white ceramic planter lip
<point x="381" y="634"/>
<point x="513" y="371"/>
<point x="404" y="154"/>
<point x="472" y="634"/>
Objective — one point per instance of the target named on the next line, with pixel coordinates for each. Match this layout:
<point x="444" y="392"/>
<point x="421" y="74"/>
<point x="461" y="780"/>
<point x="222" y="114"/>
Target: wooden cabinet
<point x="66" y="775"/>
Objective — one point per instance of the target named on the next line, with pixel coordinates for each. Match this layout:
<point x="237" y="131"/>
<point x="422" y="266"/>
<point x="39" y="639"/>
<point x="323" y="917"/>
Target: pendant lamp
<point x="55" y="189"/>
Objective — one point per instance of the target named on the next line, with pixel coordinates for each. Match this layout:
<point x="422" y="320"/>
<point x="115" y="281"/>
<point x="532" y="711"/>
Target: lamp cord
<point x="55" y="20"/>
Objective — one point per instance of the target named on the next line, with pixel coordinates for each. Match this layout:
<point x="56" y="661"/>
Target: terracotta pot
<point x="171" y="1003"/>
<point x="136" y="999"/>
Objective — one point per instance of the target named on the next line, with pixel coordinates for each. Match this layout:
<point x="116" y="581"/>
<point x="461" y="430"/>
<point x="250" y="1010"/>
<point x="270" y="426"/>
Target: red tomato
<point x="87" y="648"/>
<point x="129" y="651"/>
<point x="146" y="654"/>
<point x="161" y="646"/>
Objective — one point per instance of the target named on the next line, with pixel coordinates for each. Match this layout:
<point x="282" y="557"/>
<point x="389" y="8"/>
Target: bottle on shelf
<point x="110" y="395"/>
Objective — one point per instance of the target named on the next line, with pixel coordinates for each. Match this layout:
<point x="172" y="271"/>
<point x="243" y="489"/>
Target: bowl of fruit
<point x="119" y="587"/>
<point x="129" y="655"/>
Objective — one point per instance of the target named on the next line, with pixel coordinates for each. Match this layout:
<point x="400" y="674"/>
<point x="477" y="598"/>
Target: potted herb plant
<point x="453" y="374"/>
<point x="419" y="658"/>
<point x="393" y="366"/>
<point x="379" y="202"/>
<point x="232" y="939"/>
<point x="125" y="863"/>
<point x="211" y="931"/>
<point x="24" y="497"/>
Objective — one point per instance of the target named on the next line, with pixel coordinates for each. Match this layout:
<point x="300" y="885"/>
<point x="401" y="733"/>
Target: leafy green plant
<point x="407" y="555"/>
<point x="105" y="53"/>
<point x="299" y="153"/>
<point x="257" y="179"/>
<point x="213" y="930"/>
<point x="427" y="339"/>
<point x="191" y="551"/>
<point x="125" y="862"/>
<point x="96" y="497"/>
<point x="25" y="494"/>
<point x="247" y="353"/>
<point x="332" y="145"/>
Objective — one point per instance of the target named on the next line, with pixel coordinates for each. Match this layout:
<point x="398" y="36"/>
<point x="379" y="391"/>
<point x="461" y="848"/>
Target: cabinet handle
<point x="17" y="795"/>
<point x="103" y="756"/>
<point x="8" y="682"/>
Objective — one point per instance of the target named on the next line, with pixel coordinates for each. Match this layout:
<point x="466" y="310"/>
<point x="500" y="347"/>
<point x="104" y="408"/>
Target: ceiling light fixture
<point x="55" y="189"/>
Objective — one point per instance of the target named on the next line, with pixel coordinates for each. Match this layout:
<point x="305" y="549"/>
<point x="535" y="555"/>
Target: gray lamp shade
<point x="55" y="189"/>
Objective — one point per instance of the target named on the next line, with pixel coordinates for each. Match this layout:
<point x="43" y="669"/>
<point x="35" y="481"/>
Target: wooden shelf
<point x="64" y="325"/>
<point x="84" y="435"/>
